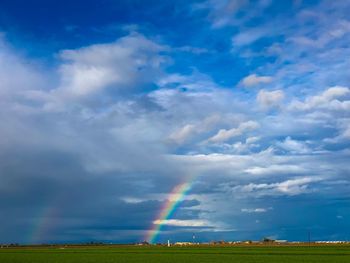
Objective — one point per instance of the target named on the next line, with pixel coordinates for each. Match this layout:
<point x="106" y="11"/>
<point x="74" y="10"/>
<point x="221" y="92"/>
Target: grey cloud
<point x="269" y="99"/>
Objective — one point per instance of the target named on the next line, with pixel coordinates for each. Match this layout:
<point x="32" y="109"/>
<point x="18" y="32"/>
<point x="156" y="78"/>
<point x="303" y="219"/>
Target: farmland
<point x="202" y="254"/>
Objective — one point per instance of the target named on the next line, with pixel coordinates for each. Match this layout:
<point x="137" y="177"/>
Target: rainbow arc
<point x="176" y="196"/>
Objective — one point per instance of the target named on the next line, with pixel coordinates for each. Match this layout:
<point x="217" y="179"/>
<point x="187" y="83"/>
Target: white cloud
<point x="171" y="79"/>
<point x="268" y="99"/>
<point x="253" y="80"/>
<point x="248" y="36"/>
<point x="255" y="210"/>
<point x="133" y="200"/>
<point x="251" y="140"/>
<point x="294" y="146"/>
<point x="190" y="130"/>
<point x="346" y="133"/>
<point x="221" y="12"/>
<point x="343" y="134"/>
<point x="124" y="64"/>
<point x="224" y="135"/>
<point x="240" y="147"/>
<point x="194" y="50"/>
<point x="181" y="135"/>
<point x="18" y="75"/>
<point x="335" y="98"/>
<point x="183" y="223"/>
<point x="275" y="169"/>
<point x="289" y="187"/>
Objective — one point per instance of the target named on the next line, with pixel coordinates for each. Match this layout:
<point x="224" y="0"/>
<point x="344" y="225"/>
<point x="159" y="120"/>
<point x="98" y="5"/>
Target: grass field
<point x="126" y="254"/>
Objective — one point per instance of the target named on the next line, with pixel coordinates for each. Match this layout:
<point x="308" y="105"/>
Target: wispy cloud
<point x="253" y="80"/>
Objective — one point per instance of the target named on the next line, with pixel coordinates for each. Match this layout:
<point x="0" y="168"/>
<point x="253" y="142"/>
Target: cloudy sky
<point x="106" y="106"/>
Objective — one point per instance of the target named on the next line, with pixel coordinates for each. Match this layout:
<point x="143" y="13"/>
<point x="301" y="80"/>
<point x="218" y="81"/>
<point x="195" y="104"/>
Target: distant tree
<point x="268" y="240"/>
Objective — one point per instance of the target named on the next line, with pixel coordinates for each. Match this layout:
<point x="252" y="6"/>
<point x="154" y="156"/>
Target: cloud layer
<point x="258" y="118"/>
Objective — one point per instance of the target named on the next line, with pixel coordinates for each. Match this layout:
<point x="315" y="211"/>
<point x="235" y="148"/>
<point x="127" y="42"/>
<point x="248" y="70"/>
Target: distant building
<point x="144" y="243"/>
<point x="281" y="241"/>
<point x="183" y="243"/>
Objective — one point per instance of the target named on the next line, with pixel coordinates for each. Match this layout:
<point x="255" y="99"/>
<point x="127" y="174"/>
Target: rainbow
<point x="46" y="220"/>
<point x="175" y="197"/>
<point x="42" y="225"/>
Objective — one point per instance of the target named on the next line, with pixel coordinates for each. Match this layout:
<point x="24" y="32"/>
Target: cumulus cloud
<point x="29" y="75"/>
<point x="224" y="135"/>
<point x="242" y="147"/>
<point x="294" y="146"/>
<point x="190" y="130"/>
<point x="181" y="135"/>
<point x="253" y="80"/>
<point x="343" y="133"/>
<point x="334" y="98"/>
<point x="268" y="99"/>
<point x="251" y="140"/>
<point x="289" y="187"/>
<point x="127" y="63"/>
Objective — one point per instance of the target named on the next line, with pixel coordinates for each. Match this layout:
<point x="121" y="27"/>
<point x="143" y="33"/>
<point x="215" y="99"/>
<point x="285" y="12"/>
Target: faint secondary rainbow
<point x="174" y="199"/>
<point x="42" y="225"/>
<point x="47" y="220"/>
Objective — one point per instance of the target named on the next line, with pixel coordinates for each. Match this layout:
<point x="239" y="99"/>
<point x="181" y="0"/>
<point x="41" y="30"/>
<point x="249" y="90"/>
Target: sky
<point x="125" y="121"/>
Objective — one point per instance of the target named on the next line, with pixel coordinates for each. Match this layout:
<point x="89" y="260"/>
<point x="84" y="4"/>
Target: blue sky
<point x="106" y="106"/>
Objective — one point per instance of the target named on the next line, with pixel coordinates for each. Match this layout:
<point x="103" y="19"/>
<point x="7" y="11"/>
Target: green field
<point x="125" y="254"/>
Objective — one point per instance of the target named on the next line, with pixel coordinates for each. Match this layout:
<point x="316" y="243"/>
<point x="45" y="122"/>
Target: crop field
<point x="126" y="254"/>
